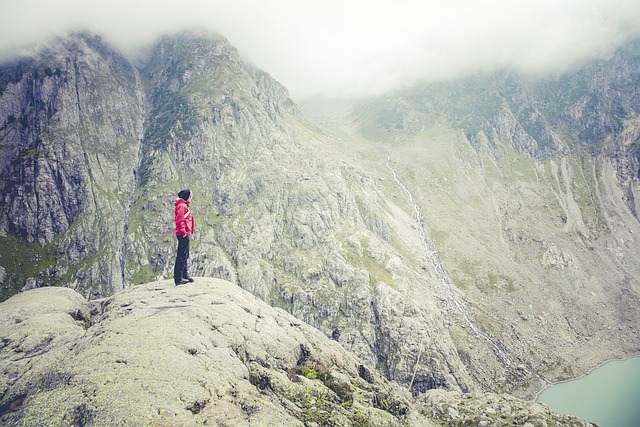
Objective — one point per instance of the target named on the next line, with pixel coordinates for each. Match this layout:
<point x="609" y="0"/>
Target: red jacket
<point x="183" y="217"/>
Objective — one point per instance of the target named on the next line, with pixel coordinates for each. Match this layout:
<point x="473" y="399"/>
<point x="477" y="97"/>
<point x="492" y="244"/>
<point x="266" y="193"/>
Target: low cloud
<point x="356" y="47"/>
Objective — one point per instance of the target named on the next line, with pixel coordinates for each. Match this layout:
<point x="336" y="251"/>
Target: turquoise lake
<point x="609" y="396"/>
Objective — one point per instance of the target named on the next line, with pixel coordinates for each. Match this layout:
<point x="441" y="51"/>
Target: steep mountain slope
<point x="474" y="235"/>
<point x="527" y="194"/>
<point x="277" y="213"/>
<point x="71" y="121"/>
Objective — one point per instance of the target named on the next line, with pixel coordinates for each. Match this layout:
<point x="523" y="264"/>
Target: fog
<point x="350" y="47"/>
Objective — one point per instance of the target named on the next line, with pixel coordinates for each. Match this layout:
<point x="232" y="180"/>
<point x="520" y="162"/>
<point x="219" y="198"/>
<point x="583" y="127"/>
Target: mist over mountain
<point x="477" y="235"/>
<point x="335" y="49"/>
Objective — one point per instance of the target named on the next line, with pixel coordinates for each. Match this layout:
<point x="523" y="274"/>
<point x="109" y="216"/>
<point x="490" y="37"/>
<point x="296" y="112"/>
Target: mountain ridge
<point x="446" y="240"/>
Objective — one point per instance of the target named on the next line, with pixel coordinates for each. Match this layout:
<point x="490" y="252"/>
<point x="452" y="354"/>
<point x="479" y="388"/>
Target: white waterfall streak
<point x="444" y="279"/>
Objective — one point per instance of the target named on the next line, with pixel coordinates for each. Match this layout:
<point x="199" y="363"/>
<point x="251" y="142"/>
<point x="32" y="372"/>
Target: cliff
<point x="71" y="123"/>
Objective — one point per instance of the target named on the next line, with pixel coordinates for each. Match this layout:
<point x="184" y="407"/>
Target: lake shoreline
<point x="606" y="396"/>
<point x="590" y="371"/>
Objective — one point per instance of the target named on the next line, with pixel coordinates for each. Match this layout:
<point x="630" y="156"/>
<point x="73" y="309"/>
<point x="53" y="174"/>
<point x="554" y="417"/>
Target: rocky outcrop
<point x="204" y="353"/>
<point x="448" y="408"/>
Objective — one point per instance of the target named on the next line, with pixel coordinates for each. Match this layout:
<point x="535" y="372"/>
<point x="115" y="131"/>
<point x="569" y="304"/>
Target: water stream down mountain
<point x="452" y="298"/>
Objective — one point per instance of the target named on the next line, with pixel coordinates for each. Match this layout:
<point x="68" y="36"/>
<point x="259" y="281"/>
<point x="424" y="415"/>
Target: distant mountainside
<point x="476" y="235"/>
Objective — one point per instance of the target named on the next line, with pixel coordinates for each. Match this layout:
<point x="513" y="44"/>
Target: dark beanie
<point x="184" y="194"/>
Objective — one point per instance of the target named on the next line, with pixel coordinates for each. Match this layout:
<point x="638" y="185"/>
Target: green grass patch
<point x="144" y="274"/>
<point x="496" y="283"/>
<point x="314" y="370"/>
<point x="22" y="260"/>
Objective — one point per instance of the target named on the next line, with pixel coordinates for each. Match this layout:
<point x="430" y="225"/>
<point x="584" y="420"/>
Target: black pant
<point x="180" y="269"/>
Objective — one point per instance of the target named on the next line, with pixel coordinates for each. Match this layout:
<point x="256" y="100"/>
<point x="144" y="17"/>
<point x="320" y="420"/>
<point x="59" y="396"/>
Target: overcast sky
<point x="351" y="47"/>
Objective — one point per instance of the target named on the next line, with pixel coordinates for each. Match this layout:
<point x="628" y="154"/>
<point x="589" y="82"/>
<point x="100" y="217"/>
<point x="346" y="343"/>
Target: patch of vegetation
<point x="439" y="237"/>
<point x="404" y="252"/>
<point x="313" y="370"/>
<point x="22" y="260"/>
<point x="321" y="407"/>
<point x="307" y="372"/>
<point x="377" y="272"/>
<point x="388" y="403"/>
<point x="486" y="323"/>
<point x="144" y="274"/>
<point x="518" y="166"/>
<point x="465" y="273"/>
<point x="317" y="408"/>
<point x="495" y="282"/>
<point x="361" y="419"/>
<point x="376" y="269"/>
<point x="275" y="296"/>
<point x="584" y="191"/>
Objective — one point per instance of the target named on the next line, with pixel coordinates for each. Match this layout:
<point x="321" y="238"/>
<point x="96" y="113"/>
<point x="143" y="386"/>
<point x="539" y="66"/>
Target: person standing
<point x="184" y="230"/>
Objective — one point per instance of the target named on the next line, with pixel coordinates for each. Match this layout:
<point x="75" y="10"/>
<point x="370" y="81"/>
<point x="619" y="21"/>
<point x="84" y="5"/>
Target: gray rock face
<point x="457" y="236"/>
<point x="530" y="216"/>
<point x="274" y="211"/>
<point x="70" y="128"/>
<point x="207" y="353"/>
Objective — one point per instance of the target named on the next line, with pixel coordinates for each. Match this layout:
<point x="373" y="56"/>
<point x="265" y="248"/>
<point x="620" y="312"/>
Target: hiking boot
<point x="182" y="282"/>
<point x="188" y="279"/>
